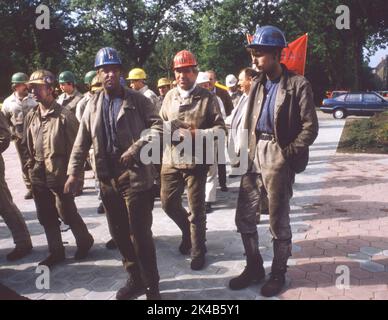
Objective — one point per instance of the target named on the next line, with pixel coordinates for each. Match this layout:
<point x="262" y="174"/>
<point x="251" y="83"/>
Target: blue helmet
<point x="268" y="36"/>
<point x="106" y="56"/>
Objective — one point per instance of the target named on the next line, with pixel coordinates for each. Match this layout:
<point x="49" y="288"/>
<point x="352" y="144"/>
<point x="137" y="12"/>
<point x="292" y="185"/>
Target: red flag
<point x="294" y="56"/>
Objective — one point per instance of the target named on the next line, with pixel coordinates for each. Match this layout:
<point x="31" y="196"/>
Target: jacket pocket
<point x="298" y="162"/>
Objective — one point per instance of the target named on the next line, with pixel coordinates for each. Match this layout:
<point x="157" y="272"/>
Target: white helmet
<point x="230" y="80"/>
<point x="202" y="77"/>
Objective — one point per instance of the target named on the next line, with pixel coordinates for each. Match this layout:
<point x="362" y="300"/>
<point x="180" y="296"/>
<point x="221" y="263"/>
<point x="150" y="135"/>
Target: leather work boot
<point x="185" y="246"/>
<point x="224" y="188"/>
<point x="18" y="253"/>
<point x="208" y="207"/>
<point x="153" y="293"/>
<point x="249" y="276"/>
<point x="133" y="288"/>
<point x="254" y="271"/>
<point x="28" y="195"/>
<point x="281" y="251"/>
<point x="198" y="262"/>
<point x="83" y="250"/>
<point x="274" y="285"/>
<point x="101" y="209"/>
<point x="111" y="245"/>
<point x="55" y="245"/>
<point x="53" y="259"/>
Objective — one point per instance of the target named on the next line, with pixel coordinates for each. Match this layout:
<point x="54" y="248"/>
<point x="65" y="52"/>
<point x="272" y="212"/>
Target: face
<point x="233" y="89"/>
<point x="205" y="85"/>
<point x="163" y="90"/>
<point x="185" y="77"/>
<point x="263" y="59"/>
<point x="212" y="78"/>
<point x="110" y="77"/>
<point x="136" y="84"/>
<point x="40" y="92"/>
<point x="244" y="82"/>
<point x="67" y="87"/>
<point x="21" y="89"/>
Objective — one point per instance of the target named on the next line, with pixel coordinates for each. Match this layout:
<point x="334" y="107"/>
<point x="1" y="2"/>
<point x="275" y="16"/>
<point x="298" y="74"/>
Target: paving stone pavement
<point x="339" y="222"/>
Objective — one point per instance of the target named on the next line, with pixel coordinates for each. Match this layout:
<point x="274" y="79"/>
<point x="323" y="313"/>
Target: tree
<point x="134" y="26"/>
<point x="24" y="48"/>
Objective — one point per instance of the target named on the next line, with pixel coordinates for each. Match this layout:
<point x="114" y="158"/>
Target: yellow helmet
<point x="163" y="82"/>
<point x="137" y="74"/>
<point x="96" y="84"/>
<point x="42" y="77"/>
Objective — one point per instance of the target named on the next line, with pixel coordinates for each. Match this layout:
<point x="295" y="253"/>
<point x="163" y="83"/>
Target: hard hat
<point x="183" y="59"/>
<point x="268" y="36"/>
<point x="202" y="78"/>
<point x="89" y="77"/>
<point x="230" y="80"/>
<point x="95" y="84"/>
<point x="137" y="74"/>
<point x="66" y="76"/>
<point x="163" y="82"/>
<point x="106" y="56"/>
<point x="19" y="77"/>
<point x="42" y="77"/>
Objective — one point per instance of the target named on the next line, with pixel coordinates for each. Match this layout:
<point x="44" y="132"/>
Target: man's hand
<point x="127" y="159"/>
<point x="72" y="184"/>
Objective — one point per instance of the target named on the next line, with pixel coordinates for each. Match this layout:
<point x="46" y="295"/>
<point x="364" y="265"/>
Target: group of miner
<point x="58" y="136"/>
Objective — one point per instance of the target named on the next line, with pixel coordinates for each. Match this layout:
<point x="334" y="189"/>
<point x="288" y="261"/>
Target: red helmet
<point x="183" y="59"/>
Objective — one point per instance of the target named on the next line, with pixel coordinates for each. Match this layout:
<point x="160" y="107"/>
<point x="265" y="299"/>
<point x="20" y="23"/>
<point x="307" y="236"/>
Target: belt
<point x="266" y="136"/>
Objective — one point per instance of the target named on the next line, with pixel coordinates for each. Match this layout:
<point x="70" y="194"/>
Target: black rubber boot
<point x="254" y="271"/>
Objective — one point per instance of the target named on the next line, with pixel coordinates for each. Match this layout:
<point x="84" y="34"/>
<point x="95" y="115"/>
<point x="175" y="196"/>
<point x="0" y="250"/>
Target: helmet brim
<point x="107" y="64"/>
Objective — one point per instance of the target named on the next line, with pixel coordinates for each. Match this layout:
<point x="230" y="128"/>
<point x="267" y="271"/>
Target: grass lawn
<point x="365" y="135"/>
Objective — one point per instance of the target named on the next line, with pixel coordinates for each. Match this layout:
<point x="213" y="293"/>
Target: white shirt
<point x="15" y="109"/>
<point x="148" y="93"/>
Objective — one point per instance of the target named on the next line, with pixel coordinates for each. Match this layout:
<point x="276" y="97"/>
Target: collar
<point x="71" y="95"/>
<point x="120" y="96"/>
<point x="283" y="83"/>
<point x="16" y="98"/>
<point x="53" y="110"/>
<point x="144" y="89"/>
<point x="185" y="93"/>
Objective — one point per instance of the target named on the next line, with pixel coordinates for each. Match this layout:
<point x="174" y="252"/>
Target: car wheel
<point x="339" y="114"/>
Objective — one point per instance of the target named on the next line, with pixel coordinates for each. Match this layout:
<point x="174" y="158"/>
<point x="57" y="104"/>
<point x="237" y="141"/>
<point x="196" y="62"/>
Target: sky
<point x="375" y="59"/>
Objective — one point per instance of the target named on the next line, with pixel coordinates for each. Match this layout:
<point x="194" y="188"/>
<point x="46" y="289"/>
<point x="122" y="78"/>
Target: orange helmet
<point x="183" y="59"/>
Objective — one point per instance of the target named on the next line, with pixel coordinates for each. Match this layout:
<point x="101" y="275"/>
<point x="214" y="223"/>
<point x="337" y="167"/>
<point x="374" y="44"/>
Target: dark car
<point x="352" y="103"/>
